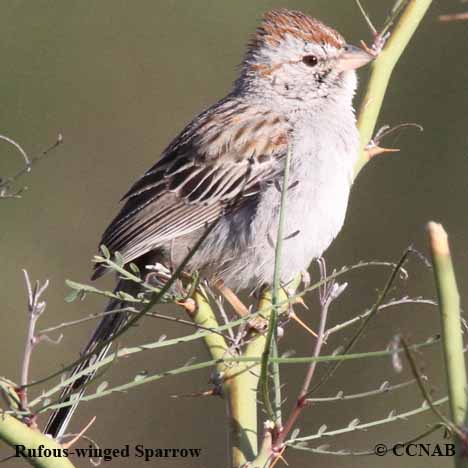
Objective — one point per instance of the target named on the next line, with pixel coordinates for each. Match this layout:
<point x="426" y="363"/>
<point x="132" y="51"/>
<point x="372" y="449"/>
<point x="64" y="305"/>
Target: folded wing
<point x="219" y="160"/>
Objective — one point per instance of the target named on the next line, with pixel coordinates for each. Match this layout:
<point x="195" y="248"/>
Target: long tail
<point x="109" y="325"/>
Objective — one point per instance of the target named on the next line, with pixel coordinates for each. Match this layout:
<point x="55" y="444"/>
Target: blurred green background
<point x="119" y="79"/>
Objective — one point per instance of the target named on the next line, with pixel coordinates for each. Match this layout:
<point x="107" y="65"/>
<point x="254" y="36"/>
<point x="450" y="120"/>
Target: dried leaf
<point x="190" y="361"/>
<point x="322" y="447"/>
<point x="118" y="259"/>
<point x="140" y="376"/>
<point x="343" y="452"/>
<point x="102" y="386"/>
<point x="288" y="353"/>
<point x="125" y="296"/>
<point x="322" y="429"/>
<point x="105" y="251"/>
<point x="295" y="433"/>
<point x="385" y="386"/>
<point x="301" y="444"/>
<point x="134" y="268"/>
<point x="72" y="296"/>
<point x="394" y="348"/>
<point x="337" y="351"/>
<point x="355" y="422"/>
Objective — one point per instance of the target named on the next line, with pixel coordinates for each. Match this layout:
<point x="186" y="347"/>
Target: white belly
<point x="315" y="207"/>
<point x="315" y="210"/>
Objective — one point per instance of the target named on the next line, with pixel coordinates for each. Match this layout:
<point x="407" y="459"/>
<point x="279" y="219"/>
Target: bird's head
<point x="294" y="58"/>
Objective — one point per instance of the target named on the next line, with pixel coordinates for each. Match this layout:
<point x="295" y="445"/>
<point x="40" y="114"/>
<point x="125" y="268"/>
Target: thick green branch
<point x="449" y="304"/>
<point x="15" y="433"/>
<point x="270" y="345"/>
<point x="205" y="317"/>
<point x="382" y="69"/>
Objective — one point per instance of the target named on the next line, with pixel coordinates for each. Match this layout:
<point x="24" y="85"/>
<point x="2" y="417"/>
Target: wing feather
<point x="218" y="161"/>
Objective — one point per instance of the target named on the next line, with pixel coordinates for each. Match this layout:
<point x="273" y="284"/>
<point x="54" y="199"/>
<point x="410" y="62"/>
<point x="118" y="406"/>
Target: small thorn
<point x="302" y="324"/>
<point x="279" y="456"/>
<point x="300" y="300"/>
<point x="376" y="150"/>
<point x="189" y="305"/>
<point x="80" y="434"/>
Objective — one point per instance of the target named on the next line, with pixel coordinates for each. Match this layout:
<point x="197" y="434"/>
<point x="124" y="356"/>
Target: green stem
<point x="238" y="389"/>
<point x="273" y="318"/>
<point x="15" y="433"/>
<point x="241" y="405"/>
<point x="276" y="385"/>
<point x="449" y="304"/>
<point x="205" y="317"/>
<point x="241" y="385"/>
<point x="382" y="69"/>
<point x="242" y="426"/>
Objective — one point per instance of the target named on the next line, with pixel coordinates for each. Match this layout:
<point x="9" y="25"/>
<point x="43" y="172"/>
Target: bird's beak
<point x="353" y="57"/>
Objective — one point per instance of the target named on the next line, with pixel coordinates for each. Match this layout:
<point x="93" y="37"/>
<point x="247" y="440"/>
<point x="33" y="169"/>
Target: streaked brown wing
<point x="222" y="158"/>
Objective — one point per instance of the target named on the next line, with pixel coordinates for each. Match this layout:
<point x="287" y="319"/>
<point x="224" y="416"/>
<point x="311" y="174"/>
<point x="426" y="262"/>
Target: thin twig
<point x="331" y="294"/>
<point x="392" y="417"/>
<point x="132" y="321"/>
<point x="18" y="147"/>
<point x="396" y="10"/>
<point x="227" y="360"/>
<point x="323" y="449"/>
<point x="454" y="17"/>
<point x="373" y="311"/>
<point x="131" y="310"/>
<point x="392" y="303"/>
<point x="422" y="387"/>
<point x="366" y="17"/>
<point x="383" y="389"/>
<point x="6" y="183"/>
<point x="36" y="307"/>
<point x="272" y="326"/>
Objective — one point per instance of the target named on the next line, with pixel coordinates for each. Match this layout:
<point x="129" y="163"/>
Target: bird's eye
<point x="310" y="60"/>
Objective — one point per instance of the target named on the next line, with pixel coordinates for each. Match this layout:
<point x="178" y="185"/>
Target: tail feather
<point x="109" y="326"/>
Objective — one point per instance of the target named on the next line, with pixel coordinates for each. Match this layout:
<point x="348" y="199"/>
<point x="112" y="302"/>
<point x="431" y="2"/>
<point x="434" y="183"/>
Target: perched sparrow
<point x="294" y="92"/>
